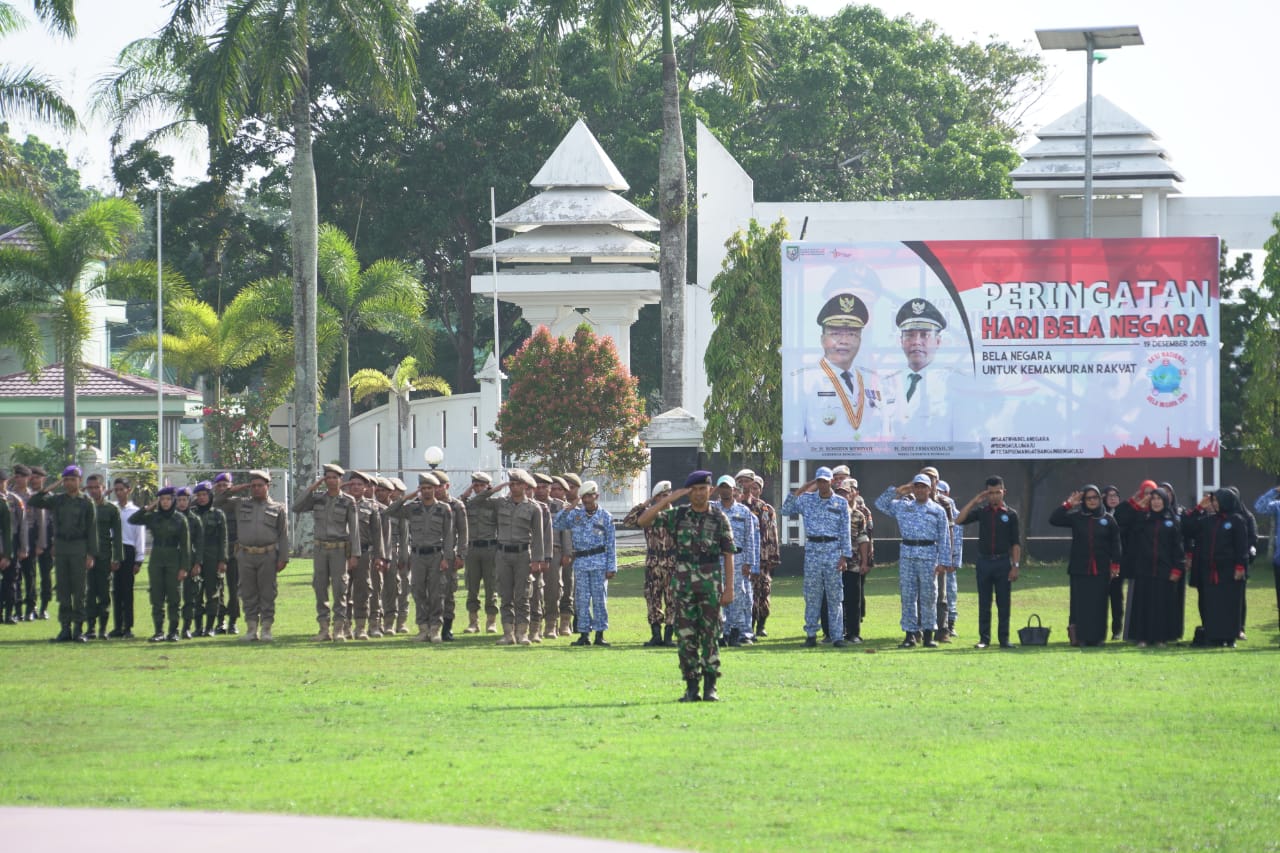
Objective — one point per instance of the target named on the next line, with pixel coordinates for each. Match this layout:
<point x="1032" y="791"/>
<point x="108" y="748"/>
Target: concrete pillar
<point x="489" y="376"/>
<point x="1152" y="221"/>
<point x="1043" y="213"/>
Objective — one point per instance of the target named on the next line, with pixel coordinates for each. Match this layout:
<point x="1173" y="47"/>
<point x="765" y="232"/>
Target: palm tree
<point x="206" y="345"/>
<point x="22" y="90"/>
<point x="728" y="32"/>
<point x="406" y="378"/>
<point x="57" y="274"/>
<point x="260" y="66"/>
<point x="385" y="297"/>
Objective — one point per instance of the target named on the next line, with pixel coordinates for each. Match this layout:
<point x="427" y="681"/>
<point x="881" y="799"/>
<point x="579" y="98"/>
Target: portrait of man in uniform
<point x="923" y="392"/>
<point x="841" y="401"/>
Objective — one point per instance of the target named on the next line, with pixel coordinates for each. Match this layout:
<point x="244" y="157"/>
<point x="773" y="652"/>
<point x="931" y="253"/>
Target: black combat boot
<point x="655" y="629"/>
<point x="735" y="638"/>
<point x="446" y="634"/>
<point x="64" y="636"/>
<point x="811" y="642"/>
<point x="666" y="635"/>
<point x="909" y="642"/>
<point x="231" y="627"/>
<point x="928" y="642"/>
<point x="760" y="632"/>
<point x="583" y="640"/>
<point x="599" y="639"/>
<point x="691" y="691"/>
<point x="709" y="688"/>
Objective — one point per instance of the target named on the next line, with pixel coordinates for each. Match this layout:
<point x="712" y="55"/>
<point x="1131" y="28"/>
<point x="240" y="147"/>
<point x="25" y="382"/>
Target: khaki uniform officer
<point x="561" y="544"/>
<point x="482" y="544"/>
<point x="567" y="614"/>
<point x="376" y="492"/>
<point x="337" y="547"/>
<point x="537" y="579"/>
<point x="520" y="551"/>
<point x="431" y="545"/>
<point x="395" y="584"/>
<point x="461" y="545"/>
<point x="262" y="549"/>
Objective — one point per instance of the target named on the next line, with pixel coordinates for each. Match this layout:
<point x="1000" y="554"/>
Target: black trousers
<point x="122" y="591"/>
<point x="27" y="581"/>
<point x="993" y="579"/>
<point x="232" y="580"/>
<point x="1116" y="593"/>
<point x="45" y="562"/>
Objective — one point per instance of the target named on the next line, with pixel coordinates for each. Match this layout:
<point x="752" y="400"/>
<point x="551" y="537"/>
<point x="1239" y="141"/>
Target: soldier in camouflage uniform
<point x="659" y="563"/>
<point x="107" y="560"/>
<point x="751" y="485"/>
<point x="702" y="536"/>
<point x="214" y="556"/>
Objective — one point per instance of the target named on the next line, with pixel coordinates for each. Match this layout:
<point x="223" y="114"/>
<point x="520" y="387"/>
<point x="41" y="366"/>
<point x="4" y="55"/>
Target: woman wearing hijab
<point x="1111" y="501"/>
<point x="1094" y="561"/>
<point x="1222" y="551"/>
<point x="170" y="559"/>
<point x="1179" y="607"/>
<point x="1157" y="555"/>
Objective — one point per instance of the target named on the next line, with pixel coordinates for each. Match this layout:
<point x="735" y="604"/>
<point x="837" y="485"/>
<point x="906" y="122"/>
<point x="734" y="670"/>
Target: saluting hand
<point x="1074" y="498"/>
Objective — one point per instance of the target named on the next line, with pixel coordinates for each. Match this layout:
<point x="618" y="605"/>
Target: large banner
<point x="997" y="349"/>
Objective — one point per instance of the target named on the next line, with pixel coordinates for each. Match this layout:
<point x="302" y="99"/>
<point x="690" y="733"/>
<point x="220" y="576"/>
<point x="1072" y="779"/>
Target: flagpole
<point x="159" y="349"/>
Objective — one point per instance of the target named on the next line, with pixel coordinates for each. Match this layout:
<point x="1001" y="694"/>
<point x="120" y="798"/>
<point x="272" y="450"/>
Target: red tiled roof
<point x="16" y="237"/>
<point x="96" y="382"/>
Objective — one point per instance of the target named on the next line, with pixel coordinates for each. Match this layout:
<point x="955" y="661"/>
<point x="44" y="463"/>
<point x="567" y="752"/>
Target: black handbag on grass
<point x="1034" y="635"/>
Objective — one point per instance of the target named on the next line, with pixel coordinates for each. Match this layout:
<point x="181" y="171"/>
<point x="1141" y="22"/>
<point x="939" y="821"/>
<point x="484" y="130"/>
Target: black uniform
<point x="998" y="531"/>
<point x="1095" y="549"/>
<point x="1222" y="550"/>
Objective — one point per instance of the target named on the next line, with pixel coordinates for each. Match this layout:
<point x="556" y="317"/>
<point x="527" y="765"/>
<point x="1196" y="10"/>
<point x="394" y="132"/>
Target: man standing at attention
<point x="431" y="541"/>
<point x="999" y="555"/>
<point x="827" y="550"/>
<point x="262" y="546"/>
<point x="75" y="541"/>
<point x="461" y="543"/>
<point x="925" y="553"/>
<point x="482" y="554"/>
<point x="594" y="561"/>
<point x="703" y="585"/>
<point x="107" y="561"/>
<point x="134" y="539"/>
<point x="337" y="547"/>
<point x="521" y="550"/>
<point x="746" y="562"/>
<point x="228" y="617"/>
<point x="751" y="487"/>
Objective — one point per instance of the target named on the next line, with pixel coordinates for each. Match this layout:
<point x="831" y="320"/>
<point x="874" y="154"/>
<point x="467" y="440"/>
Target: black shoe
<point x="760" y="632"/>
<point x="44" y="613"/>
<point x="446" y="633"/>
<point x="128" y="634"/>
<point x="157" y="638"/>
<point x="655" y="631"/>
<point x="173" y="637"/>
<point x="840" y="644"/>
<point x="583" y="640"/>
<point x="982" y="643"/>
<point x="231" y="628"/>
<point x="599" y="639"/>
<point x="667" y="632"/>
<point x="709" y="689"/>
<point x="90" y="635"/>
<point x="32" y="616"/>
<point x="811" y="642"/>
<point x="118" y="633"/>
<point x="908" y="642"/>
<point x="186" y="634"/>
<point x="64" y="636"/>
<point x="1005" y="644"/>
<point x="691" y="691"/>
<point x="928" y="642"/>
<point x="735" y="638"/>
<point x="855" y="639"/>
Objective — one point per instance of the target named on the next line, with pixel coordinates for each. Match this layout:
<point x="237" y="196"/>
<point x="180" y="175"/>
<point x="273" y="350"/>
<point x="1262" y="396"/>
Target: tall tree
<point x="403" y="381"/>
<point x="726" y="35"/>
<point x="57" y="274"/>
<point x="1240" y="308"/>
<point x="1261" y="355"/>
<point x="22" y="90"/>
<point x="385" y="297"/>
<point x="744" y="356"/>
<point x="260" y="65"/>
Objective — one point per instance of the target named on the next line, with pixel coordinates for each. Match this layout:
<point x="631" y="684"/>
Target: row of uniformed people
<point x="26" y="581"/>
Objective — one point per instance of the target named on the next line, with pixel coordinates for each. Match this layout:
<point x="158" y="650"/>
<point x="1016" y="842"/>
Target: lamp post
<point x="433" y="456"/>
<point x="1089" y="39"/>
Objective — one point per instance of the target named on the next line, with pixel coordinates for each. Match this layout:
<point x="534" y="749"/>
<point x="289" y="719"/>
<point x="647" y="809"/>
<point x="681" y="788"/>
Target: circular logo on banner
<point x="1166" y="370"/>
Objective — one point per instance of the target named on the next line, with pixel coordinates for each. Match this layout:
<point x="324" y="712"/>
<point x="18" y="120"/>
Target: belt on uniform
<point x="331" y="544"/>
<point x="700" y="559"/>
<point x="483" y="543"/>
<point x="425" y="551"/>
<point x="737" y="550"/>
<point x="256" y="549"/>
<point x="590" y="552"/>
<point x="821" y="538"/>
<point x="995" y="556"/>
<point x="919" y="543"/>
<point x="512" y="549"/>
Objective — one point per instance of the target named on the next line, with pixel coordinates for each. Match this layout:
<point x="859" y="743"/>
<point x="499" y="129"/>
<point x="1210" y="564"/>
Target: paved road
<point x="128" y="831"/>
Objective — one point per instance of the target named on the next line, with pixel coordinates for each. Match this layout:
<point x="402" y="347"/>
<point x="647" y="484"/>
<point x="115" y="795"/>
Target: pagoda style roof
<point x="95" y="381"/>
<point x="1126" y="155"/>
<point x="597" y="244"/>
<point x="579" y="161"/>
<point x="577" y="206"/>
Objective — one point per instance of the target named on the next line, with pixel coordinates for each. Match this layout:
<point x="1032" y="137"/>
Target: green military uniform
<point x="75" y="541"/>
<point x="214" y="551"/>
<point x="700" y="537"/>
<point x="192" y="592"/>
<point x="110" y="553"/>
<point x="170" y="557"/>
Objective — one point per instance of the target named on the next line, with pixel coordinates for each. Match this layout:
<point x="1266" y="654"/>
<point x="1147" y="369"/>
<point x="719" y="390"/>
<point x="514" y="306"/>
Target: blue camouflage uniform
<point x="957" y="553"/>
<point x="826" y="533"/>
<point x="593" y="557"/>
<point x="746" y="555"/>
<point x="926" y="544"/>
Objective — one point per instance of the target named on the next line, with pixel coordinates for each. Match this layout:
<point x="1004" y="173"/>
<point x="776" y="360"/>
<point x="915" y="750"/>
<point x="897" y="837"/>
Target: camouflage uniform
<point x="659" y="564"/>
<point x="700" y="538"/>
<point x="826" y="532"/>
<point x="770" y="559"/>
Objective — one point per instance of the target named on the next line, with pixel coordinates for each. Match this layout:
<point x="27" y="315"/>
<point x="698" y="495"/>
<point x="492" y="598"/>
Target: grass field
<point x="812" y="749"/>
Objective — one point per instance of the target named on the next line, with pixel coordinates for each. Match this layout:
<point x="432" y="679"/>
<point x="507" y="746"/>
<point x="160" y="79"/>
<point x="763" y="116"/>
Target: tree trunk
<point x="70" y="365"/>
<point x="673" y="216"/>
<point x="402" y="419"/>
<point x="304" y="237"/>
<point x="344" y="402"/>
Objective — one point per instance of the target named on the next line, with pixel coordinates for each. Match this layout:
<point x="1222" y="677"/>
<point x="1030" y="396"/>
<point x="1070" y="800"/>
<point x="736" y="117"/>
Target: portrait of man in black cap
<point x="841" y="401"/>
<point x="922" y="391"/>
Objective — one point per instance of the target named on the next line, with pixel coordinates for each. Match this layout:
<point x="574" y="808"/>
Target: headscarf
<point x="1173" y="499"/>
<point x="1084" y="491"/>
<point x="1228" y="502"/>
<point x="1170" y="510"/>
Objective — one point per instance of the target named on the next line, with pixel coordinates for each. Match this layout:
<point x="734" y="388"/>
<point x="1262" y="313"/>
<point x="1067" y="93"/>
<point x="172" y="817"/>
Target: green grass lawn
<point x="869" y="747"/>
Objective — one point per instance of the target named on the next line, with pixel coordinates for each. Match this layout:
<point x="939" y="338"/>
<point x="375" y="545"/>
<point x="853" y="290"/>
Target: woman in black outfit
<point x="1157" y="558"/>
<point x="1094" y="561"/>
<point x="1222" y="551"/>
